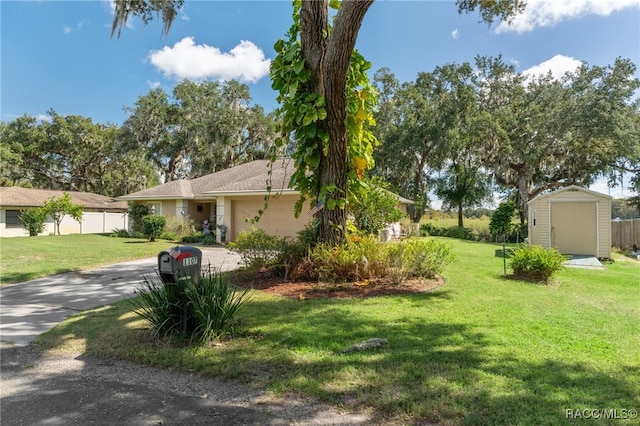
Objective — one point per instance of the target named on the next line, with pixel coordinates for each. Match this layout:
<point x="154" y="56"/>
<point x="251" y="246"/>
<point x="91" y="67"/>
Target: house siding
<point x="277" y="219"/>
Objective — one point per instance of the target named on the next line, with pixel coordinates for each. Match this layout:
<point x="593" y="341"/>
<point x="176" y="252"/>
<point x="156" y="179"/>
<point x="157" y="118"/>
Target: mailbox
<point x="179" y="264"/>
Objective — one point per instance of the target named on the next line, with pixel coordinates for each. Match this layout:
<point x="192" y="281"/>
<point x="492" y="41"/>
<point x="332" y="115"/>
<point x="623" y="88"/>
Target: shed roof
<point x="570" y="188"/>
<point x="16" y="196"/>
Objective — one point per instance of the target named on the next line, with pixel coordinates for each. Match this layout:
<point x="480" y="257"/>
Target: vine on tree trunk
<point x="304" y="130"/>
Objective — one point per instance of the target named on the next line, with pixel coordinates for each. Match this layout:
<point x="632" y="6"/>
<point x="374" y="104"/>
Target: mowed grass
<point x="482" y="349"/>
<point x="23" y="259"/>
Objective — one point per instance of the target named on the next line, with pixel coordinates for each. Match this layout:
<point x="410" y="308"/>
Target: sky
<point x="59" y="54"/>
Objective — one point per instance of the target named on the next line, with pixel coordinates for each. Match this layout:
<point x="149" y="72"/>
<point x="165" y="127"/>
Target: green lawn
<point x="481" y="350"/>
<point x="27" y="258"/>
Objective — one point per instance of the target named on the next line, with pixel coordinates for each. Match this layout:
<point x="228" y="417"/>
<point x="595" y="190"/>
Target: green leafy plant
<point x="419" y="257"/>
<point x="60" y="207"/>
<point x="136" y="213"/>
<point x="535" y="262"/>
<point x="120" y="233"/>
<point x="179" y="226"/>
<point x="361" y="257"/>
<point x="153" y="226"/>
<point x="257" y="248"/>
<point x="500" y="224"/>
<point x="200" y="311"/>
<point x="33" y="221"/>
<point x="208" y="239"/>
<point x="374" y="207"/>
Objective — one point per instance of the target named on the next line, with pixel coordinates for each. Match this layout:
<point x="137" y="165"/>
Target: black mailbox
<point x="179" y="264"/>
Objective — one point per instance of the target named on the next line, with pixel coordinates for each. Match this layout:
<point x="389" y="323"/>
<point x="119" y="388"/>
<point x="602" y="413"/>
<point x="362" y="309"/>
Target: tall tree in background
<point x="70" y="153"/>
<point x="541" y="133"/>
<point x="329" y="89"/>
<point x="202" y="128"/>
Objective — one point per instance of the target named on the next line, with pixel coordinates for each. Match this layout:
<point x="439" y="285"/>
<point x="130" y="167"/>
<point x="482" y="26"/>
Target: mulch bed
<point x="311" y="290"/>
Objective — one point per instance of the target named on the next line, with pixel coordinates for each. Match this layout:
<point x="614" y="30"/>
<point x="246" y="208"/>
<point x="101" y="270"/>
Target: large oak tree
<point x="327" y="53"/>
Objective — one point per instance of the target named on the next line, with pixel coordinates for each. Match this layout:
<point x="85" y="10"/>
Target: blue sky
<point x="58" y="55"/>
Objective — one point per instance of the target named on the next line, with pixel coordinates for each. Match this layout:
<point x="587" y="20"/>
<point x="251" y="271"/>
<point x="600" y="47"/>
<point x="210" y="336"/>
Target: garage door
<point x="574" y="227"/>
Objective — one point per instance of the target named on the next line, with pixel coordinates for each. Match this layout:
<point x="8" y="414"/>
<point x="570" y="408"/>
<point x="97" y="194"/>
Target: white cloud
<point x="558" y="65"/>
<point x="67" y="29"/>
<point x="547" y="13"/>
<point x="245" y="62"/>
<point x="153" y="84"/>
<point x="455" y="34"/>
<point x="43" y="117"/>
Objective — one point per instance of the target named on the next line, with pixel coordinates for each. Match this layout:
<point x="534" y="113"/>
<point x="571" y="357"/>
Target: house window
<point x="534" y="218"/>
<point x="13" y="219"/>
<point x="199" y="208"/>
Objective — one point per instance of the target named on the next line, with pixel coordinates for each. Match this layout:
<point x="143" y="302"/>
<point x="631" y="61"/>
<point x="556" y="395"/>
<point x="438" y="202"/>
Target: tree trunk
<point x="523" y="195"/>
<point x="328" y="58"/>
<point x="460" y="216"/>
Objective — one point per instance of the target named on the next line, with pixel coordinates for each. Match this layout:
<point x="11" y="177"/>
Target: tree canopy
<point x="486" y="122"/>
<point x="326" y="103"/>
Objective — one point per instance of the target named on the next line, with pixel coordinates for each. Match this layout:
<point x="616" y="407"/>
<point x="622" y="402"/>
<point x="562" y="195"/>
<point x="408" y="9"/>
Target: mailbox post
<point x="179" y="264"/>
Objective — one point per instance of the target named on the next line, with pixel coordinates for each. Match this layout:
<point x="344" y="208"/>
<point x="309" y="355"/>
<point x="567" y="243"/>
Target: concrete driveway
<point x="33" y="307"/>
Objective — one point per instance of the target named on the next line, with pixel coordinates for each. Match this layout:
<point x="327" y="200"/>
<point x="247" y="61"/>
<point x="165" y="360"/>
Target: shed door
<point x="574" y="228"/>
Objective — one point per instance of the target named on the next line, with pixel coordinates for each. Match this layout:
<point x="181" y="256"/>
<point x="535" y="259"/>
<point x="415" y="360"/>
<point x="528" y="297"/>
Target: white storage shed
<point x="573" y="220"/>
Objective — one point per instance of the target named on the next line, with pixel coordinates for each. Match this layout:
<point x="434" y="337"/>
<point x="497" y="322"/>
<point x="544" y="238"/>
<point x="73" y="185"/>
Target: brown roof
<point x="15" y="196"/>
<point x="248" y="177"/>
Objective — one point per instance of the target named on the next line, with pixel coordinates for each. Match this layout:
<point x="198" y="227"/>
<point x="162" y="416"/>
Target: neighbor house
<point x="100" y="214"/>
<point x="573" y="220"/>
<point x="231" y="198"/>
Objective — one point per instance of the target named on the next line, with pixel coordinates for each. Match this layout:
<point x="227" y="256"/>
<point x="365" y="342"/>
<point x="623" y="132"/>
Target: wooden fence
<point x="625" y="233"/>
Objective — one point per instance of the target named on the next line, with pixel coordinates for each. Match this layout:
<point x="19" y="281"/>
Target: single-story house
<point x="231" y="198"/>
<point x="101" y="214"/>
<point x="573" y="220"/>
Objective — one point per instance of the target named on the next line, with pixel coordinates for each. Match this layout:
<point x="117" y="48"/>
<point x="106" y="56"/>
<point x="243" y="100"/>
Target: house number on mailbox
<point x="188" y="261"/>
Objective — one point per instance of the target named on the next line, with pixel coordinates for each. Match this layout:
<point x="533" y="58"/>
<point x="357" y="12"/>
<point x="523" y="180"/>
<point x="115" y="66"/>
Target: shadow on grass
<point x="430" y="371"/>
<point x="19" y="277"/>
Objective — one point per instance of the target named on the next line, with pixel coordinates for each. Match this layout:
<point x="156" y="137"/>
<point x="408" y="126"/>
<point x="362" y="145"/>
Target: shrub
<point x="33" y="221"/>
<point x="375" y="206"/>
<point x="166" y="235"/>
<point x="179" y="226"/>
<point x="208" y="239"/>
<point x="257" y="248"/>
<point x="120" y="233"/>
<point x="535" y="262"/>
<point x="473" y="233"/>
<point x="418" y="258"/>
<point x="136" y="213"/>
<point x="153" y="226"/>
<point x="192" y="238"/>
<point x="500" y="224"/>
<point x="200" y="312"/>
<point x="359" y="258"/>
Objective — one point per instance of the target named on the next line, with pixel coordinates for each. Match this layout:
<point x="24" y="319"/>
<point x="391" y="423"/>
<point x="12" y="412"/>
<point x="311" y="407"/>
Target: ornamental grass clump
<point x="536" y="263"/>
<point x="189" y="310"/>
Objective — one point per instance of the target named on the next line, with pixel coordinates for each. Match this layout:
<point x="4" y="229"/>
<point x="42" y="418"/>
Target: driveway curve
<point x="37" y="389"/>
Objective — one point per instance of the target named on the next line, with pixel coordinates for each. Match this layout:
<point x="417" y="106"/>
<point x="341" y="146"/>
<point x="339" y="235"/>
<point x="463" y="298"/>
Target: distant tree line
<point x="199" y="129"/>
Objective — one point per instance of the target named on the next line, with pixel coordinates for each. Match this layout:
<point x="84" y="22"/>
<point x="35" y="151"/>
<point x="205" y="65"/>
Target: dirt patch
<point x="264" y="281"/>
